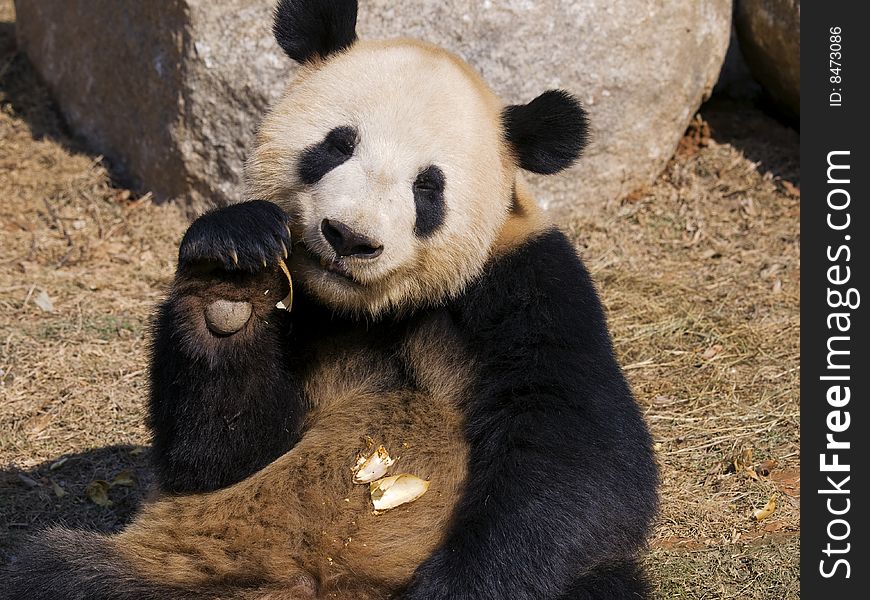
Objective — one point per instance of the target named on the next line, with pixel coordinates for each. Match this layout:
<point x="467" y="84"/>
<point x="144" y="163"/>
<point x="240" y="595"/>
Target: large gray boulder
<point x="171" y="90"/>
<point x="770" y="39"/>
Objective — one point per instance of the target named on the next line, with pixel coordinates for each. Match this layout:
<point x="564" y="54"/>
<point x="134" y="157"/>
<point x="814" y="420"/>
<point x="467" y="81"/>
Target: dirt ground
<point x="700" y="275"/>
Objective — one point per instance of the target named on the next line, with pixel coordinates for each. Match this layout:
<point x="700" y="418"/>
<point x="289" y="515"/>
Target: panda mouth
<point x="333" y="266"/>
<point x="336" y="267"/>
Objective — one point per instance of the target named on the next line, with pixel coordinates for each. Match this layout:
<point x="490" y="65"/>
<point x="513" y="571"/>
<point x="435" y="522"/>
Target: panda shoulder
<point x="538" y="283"/>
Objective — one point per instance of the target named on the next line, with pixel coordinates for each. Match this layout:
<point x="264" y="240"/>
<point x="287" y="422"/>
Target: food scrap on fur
<point x="374" y="467"/>
<point x="386" y="492"/>
<point x="287" y="302"/>
<point x="394" y="491"/>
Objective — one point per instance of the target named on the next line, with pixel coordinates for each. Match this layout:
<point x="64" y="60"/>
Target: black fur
<point x="237" y="237"/>
<point x="310" y="29"/>
<point x="549" y="133"/>
<point x="218" y="415"/>
<point x="620" y="581"/>
<point x="429" y="201"/>
<point x="321" y="158"/>
<point x="76" y="565"/>
<point x="221" y="411"/>
<point x="562" y="479"/>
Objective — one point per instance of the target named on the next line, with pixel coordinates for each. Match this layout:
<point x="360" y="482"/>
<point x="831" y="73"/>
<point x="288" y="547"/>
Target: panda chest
<point x="404" y="394"/>
<point x="398" y="389"/>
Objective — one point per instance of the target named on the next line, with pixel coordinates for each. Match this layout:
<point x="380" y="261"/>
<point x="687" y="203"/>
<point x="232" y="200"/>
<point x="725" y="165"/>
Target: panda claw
<point x="234" y="256"/>
<point x="284" y="249"/>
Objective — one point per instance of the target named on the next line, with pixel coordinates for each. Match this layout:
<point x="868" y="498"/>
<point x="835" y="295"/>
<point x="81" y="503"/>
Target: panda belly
<point x="301" y="528"/>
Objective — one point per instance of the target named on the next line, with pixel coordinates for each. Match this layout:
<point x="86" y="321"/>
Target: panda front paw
<point x="250" y="237"/>
<point x="228" y="268"/>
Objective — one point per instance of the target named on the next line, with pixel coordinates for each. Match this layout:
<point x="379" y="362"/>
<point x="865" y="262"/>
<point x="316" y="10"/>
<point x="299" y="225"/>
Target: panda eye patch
<point x="429" y="200"/>
<point x="430" y="179"/>
<point x="319" y="159"/>
<point x="342" y="140"/>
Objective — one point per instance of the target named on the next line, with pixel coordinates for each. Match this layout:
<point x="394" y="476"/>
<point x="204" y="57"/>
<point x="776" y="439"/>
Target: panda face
<point x="390" y="158"/>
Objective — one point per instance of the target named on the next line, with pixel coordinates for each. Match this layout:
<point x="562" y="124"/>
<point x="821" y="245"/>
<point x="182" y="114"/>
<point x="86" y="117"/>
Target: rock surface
<point x="172" y="90"/>
<point x="770" y="39"/>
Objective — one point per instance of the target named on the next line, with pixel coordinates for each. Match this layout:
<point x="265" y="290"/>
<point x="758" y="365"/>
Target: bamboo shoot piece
<point x="394" y="491"/>
<point x="287" y="302"/>
<point x="374" y="467"/>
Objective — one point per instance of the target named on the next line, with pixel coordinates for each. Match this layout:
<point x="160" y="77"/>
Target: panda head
<point x="396" y="162"/>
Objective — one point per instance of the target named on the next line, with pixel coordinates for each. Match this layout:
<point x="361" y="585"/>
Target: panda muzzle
<point x="349" y="243"/>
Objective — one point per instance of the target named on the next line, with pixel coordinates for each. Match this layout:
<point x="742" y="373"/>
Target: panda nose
<point x="347" y="242"/>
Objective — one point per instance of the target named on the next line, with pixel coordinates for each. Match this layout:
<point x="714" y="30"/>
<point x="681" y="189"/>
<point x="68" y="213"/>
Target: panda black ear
<point x="310" y="29"/>
<point x="549" y="133"/>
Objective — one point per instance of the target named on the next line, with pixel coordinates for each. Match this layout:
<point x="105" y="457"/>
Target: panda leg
<point x="224" y="403"/>
<point x="620" y="582"/>
<point x="59" y="564"/>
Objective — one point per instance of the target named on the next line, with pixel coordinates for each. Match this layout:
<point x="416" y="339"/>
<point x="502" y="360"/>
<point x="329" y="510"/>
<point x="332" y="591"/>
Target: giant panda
<point x="436" y="313"/>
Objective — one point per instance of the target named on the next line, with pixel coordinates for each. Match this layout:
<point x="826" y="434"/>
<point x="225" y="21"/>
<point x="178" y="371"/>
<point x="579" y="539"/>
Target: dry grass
<point x="72" y="380"/>
<point x="700" y="274"/>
